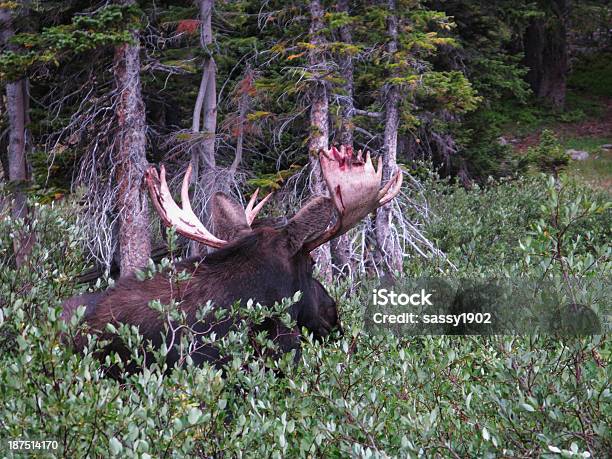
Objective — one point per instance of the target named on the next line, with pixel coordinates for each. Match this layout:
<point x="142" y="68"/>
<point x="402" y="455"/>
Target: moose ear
<point x="308" y="223"/>
<point x="228" y="217"/>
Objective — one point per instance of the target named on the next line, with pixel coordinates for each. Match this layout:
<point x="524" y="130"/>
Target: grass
<point x="597" y="170"/>
<point x="590" y="144"/>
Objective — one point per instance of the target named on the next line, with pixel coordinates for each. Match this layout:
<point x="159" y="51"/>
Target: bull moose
<point x="265" y="263"/>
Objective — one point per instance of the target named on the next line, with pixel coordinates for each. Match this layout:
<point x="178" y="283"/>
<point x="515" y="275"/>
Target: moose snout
<point x="328" y="321"/>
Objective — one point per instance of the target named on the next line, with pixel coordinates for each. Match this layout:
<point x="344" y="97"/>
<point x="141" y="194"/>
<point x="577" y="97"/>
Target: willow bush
<point x="355" y="395"/>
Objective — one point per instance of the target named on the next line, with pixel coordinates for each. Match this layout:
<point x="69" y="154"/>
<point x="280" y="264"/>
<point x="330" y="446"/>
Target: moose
<point x="254" y="260"/>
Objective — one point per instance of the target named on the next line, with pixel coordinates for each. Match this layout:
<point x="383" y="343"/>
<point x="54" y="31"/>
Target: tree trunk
<point x="210" y="117"/>
<point x="546" y="54"/>
<point x="4" y="135"/>
<point x="340" y="247"/>
<point x="389" y="251"/>
<point x="345" y="61"/>
<point x="205" y="110"/>
<point x="16" y="107"/>
<point x="17" y="173"/>
<point x="134" y="240"/>
<point x="243" y="107"/>
<point x="319" y="124"/>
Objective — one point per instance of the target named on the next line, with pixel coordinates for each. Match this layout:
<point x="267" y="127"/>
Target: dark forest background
<point x="247" y="91"/>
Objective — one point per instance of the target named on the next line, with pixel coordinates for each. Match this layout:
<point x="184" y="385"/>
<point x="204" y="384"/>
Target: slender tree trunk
<point x="16" y="107"/>
<point x="546" y="53"/>
<point x="210" y="76"/>
<point x="345" y="61"/>
<point x="17" y="173"/>
<point x="390" y="253"/>
<point x="340" y="247"/>
<point x="205" y="110"/>
<point x="319" y="123"/>
<point x="134" y="240"/>
<point x="243" y="107"/>
<point x="4" y="135"/>
<point x="205" y="115"/>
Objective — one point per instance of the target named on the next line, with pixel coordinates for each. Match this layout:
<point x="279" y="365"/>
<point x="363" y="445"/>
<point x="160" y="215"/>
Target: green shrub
<point x="479" y="229"/>
<point x="549" y="156"/>
<point x="359" y="395"/>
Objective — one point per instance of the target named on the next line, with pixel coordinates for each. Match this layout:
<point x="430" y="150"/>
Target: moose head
<point x="261" y="262"/>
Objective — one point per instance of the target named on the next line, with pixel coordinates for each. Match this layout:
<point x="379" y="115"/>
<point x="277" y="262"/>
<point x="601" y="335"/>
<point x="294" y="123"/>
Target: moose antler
<point x="354" y="186"/>
<point x="183" y="219"/>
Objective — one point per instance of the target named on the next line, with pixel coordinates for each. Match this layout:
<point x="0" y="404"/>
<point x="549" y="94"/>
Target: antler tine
<point x="391" y="189"/>
<point x="249" y="207"/>
<point x="182" y="219"/>
<point x="250" y="211"/>
<point x="185" y="190"/>
<point x="379" y="170"/>
<point x="391" y="183"/>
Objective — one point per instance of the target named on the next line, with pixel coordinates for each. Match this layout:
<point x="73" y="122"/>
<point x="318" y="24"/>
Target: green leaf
<point x="528" y="407"/>
<point x="194" y="415"/>
<point x="115" y="446"/>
